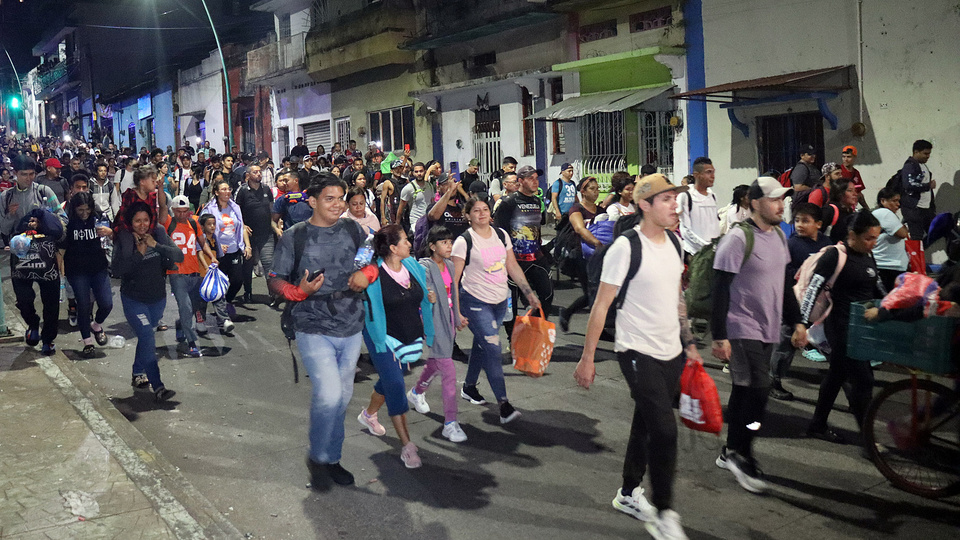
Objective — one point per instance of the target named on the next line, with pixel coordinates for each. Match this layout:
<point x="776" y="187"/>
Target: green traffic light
<point x="14" y="102"/>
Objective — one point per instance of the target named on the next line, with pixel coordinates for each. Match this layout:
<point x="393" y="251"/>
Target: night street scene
<point x="479" y="269"/>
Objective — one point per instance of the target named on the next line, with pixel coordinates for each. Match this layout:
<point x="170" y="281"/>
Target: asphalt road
<point x="237" y="431"/>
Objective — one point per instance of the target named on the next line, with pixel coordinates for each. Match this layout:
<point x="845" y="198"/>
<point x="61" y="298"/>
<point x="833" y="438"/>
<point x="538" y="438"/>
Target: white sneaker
<point x="228" y="326"/>
<point x="635" y="505"/>
<point x="453" y="432"/>
<point x="666" y="527"/>
<point x="418" y="402"/>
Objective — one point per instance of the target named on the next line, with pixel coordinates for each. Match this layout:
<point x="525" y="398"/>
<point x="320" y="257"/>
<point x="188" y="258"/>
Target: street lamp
<point x="226" y="76"/>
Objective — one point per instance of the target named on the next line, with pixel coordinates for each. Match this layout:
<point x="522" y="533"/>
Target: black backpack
<point x="468" y="238"/>
<point x="595" y="267"/>
<point x="800" y="197"/>
<point x="895" y="183"/>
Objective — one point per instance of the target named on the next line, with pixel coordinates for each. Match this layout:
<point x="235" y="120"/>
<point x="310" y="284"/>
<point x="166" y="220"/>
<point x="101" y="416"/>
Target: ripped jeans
<point x="484" y="321"/>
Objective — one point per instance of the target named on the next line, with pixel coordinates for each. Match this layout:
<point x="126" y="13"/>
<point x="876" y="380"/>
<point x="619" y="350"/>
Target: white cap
<point x="180" y="201"/>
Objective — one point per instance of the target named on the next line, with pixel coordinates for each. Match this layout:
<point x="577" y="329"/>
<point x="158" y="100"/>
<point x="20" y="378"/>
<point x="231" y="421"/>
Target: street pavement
<point x="225" y="457"/>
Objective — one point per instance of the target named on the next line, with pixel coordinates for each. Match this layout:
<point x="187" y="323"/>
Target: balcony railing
<point x="49" y="77"/>
<point x="277" y="58"/>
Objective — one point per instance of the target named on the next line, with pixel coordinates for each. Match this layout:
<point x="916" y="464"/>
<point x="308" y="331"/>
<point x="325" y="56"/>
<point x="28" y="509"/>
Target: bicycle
<point x="912" y="427"/>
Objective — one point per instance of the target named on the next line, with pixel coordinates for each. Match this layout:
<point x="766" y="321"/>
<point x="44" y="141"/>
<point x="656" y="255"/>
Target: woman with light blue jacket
<point x="231" y="235"/>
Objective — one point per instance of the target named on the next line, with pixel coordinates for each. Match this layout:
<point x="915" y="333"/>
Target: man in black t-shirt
<point x="300" y="149"/>
<point x="256" y="204"/>
<point x="448" y="210"/>
<point x="521" y="214"/>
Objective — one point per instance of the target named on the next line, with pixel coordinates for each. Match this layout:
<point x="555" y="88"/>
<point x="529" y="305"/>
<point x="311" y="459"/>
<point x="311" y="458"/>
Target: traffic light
<point x="14" y="102"/>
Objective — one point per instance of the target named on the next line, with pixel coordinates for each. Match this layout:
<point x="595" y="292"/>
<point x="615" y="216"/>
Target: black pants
<point x="889" y="277"/>
<point x="843" y="369"/>
<point x="918" y="221"/>
<point x="231" y="264"/>
<point x="653" y="435"/>
<point x="49" y="297"/>
<point x="538" y="276"/>
<point x="263" y="252"/>
<point x="581" y="277"/>
<point x="750" y="373"/>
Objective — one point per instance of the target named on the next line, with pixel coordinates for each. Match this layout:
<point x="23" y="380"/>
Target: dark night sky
<point x="178" y="31"/>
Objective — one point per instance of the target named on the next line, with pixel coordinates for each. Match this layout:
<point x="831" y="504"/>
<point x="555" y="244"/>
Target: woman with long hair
<point x="232" y="236"/>
<point x="582" y="214"/>
<point x="622" y="187"/>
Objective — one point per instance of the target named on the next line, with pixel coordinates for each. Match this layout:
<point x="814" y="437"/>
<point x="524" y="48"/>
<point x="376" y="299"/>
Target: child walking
<point x="439" y="269"/>
<point x="207" y="256"/>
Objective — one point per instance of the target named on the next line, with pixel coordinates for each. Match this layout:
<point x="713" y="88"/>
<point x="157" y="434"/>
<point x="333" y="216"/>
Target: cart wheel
<point x="912" y="430"/>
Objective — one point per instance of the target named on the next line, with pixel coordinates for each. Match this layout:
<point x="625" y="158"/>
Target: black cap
<point x="807" y="149"/>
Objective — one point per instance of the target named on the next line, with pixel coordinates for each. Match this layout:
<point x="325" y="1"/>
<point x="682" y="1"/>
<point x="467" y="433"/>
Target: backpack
<point x="836" y="217"/>
<point x="193" y="223"/>
<point x="823" y="303"/>
<point x="287" y="325"/>
<point x="595" y="269"/>
<point x="895" y="182"/>
<point x="800" y="197"/>
<point x="690" y="202"/>
<point x="784" y="178"/>
<point x="701" y="275"/>
<point x="420" y="231"/>
<point x="469" y="239"/>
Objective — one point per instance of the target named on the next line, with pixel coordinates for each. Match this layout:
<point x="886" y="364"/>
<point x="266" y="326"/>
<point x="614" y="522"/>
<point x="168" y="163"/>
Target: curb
<point x="187" y="513"/>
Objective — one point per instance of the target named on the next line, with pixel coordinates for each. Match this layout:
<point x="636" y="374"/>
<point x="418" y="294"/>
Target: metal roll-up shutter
<point x="317" y="133"/>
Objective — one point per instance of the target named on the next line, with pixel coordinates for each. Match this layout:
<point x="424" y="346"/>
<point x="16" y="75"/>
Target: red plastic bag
<point x="700" y="407"/>
<point x="918" y="262"/>
<point x="532" y="343"/>
<point x="910" y="290"/>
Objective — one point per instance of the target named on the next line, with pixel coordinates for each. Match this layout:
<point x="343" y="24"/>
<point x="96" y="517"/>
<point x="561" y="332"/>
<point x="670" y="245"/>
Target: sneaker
<point x="194" y="352"/>
<point x="32" y="337"/>
<point x="564" y="320"/>
<point x="409" y="456"/>
<point x="722" y="458"/>
<point x="826" y="434"/>
<point x="508" y="413"/>
<point x="726" y="368"/>
<point x="371" y="423"/>
<point x="163" y="394"/>
<point x="778" y="392"/>
<point x="48" y="349"/>
<point x="666" y="527"/>
<point x="139" y="380"/>
<point x="453" y="432"/>
<point x="247" y="298"/>
<point x="89" y="351"/>
<point x="418" y="402"/>
<point x="340" y="476"/>
<point x="635" y="505"/>
<point x="471" y="394"/>
<point x="322" y="473"/>
<point x="228" y="326"/>
<point x="72" y="315"/>
<point x="814" y="355"/>
<point x="745" y="472"/>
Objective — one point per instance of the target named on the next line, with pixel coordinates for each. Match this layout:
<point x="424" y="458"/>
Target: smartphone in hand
<point x="315" y="274"/>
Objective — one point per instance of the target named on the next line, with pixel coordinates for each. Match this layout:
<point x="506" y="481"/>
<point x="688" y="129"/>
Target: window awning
<point x="617" y="100"/>
<point x="814" y="80"/>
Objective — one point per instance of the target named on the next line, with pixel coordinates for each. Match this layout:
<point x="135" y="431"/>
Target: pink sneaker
<point x="410" y="457"/>
<point x="370" y="422"/>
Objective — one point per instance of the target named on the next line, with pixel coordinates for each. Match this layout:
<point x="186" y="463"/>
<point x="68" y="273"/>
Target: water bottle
<point x="63" y="288"/>
<point x="104" y="222"/>
<point x="116" y="342"/>
<point x="509" y="315"/>
<point x="364" y="254"/>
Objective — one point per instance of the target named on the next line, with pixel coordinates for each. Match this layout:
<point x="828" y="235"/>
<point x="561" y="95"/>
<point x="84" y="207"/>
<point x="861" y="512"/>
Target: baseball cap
<point x="526" y="171"/>
<point x="768" y="187"/>
<point x="829" y="168"/>
<point x="313" y="154"/>
<point x="474" y="163"/>
<point x="849" y="150"/>
<point x="443" y="178"/>
<point x="652" y="185"/>
<point x="807" y="149"/>
<point x="180" y="201"/>
<point x="53" y="162"/>
<point x="566" y="166"/>
<point x="396" y="163"/>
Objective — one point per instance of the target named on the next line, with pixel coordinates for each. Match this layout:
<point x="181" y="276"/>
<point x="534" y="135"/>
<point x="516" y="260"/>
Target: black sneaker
<point x="471" y="394"/>
<point x="458" y="354"/>
<point x="826" y="434"/>
<point x="778" y="392"/>
<point x="565" y="320"/>
<point x="32" y="336"/>
<point x="322" y="473"/>
<point x="247" y="298"/>
<point x="163" y="394"/>
<point x="745" y="471"/>
<point x="508" y="413"/>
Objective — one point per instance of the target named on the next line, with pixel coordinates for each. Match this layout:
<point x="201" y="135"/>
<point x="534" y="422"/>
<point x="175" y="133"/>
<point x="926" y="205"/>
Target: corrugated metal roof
<point x="788" y="81"/>
<point x="617" y="100"/>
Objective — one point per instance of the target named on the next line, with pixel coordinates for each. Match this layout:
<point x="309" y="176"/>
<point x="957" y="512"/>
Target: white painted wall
<point x="911" y="72"/>
<point x="457" y="125"/>
<point x="201" y="89"/>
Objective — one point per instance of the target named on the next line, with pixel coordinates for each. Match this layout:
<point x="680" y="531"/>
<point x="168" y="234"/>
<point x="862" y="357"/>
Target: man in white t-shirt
<point x="418" y="195"/>
<point x="653" y="339"/>
<point x="699" y="223"/>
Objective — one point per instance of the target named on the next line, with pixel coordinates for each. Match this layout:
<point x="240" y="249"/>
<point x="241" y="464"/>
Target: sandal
<point x="100" y="337"/>
<point x="140" y="381"/>
<point x="89" y="351"/>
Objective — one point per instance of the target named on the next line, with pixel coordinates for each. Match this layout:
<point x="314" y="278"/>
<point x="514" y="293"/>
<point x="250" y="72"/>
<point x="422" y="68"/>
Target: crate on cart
<point x="927" y="344"/>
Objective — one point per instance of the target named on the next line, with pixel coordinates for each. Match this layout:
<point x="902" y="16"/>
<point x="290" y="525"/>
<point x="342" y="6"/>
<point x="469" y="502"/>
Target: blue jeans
<point x="186" y="290"/>
<point x="484" y="322"/>
<point x="390" y="385"/>
<point x="83" y="285"/>
<point x="331" y="363"/>
<point x="144" y="318"/>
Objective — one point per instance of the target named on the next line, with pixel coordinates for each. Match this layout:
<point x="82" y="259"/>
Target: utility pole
<point x="226" y="79"/>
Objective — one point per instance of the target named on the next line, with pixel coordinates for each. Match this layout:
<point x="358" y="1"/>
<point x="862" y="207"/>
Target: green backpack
<point x="700" y="273"/>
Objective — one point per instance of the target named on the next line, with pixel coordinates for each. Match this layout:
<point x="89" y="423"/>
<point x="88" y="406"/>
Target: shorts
<point x="750" y="362"/>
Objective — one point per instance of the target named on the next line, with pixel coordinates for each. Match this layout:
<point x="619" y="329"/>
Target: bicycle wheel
<point x="913" y="435"/>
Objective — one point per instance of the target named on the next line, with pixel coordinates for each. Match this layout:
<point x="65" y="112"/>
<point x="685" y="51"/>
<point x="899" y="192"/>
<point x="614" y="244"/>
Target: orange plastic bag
<point x="532" y="343"/>
<point x="700" y="407"/>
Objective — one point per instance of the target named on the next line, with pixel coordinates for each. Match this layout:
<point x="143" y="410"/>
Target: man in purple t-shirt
<point x="748" y="299"/>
